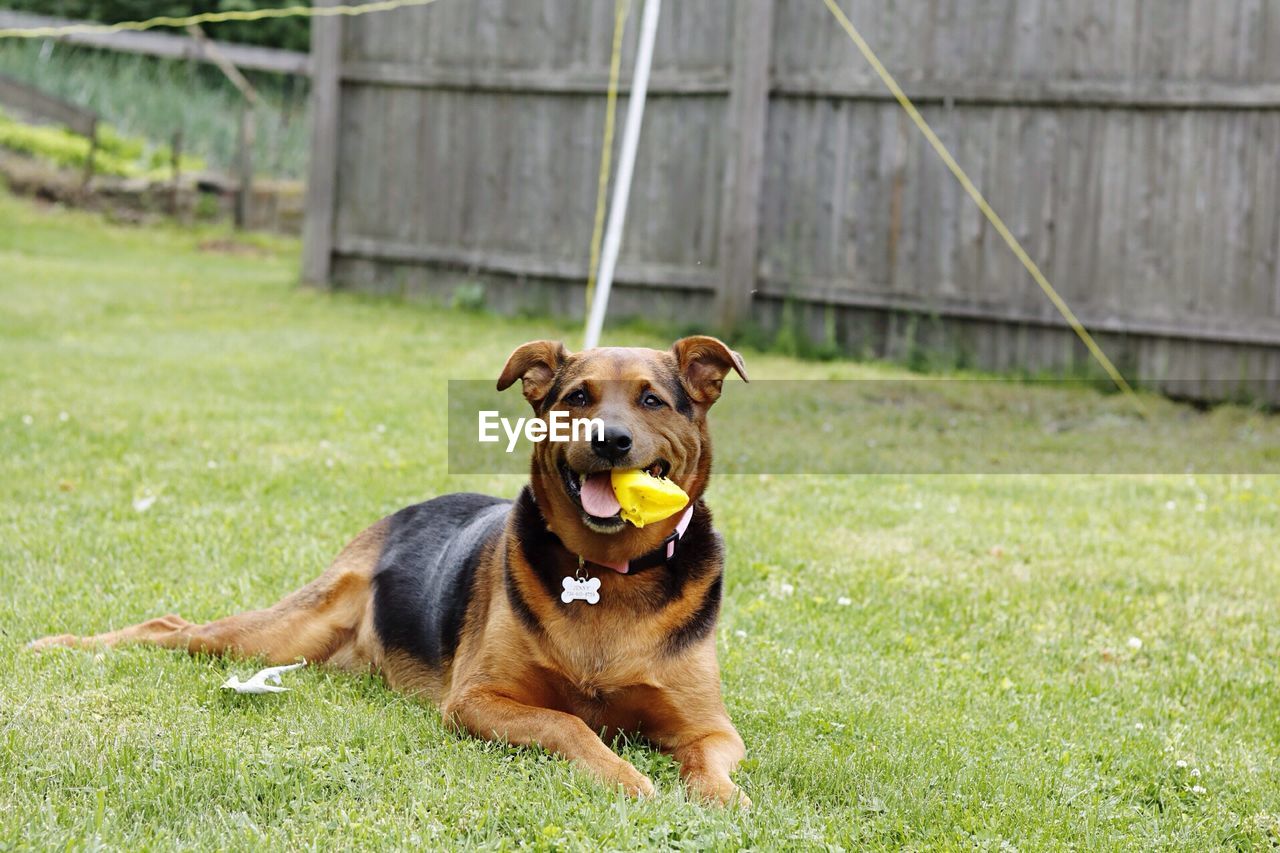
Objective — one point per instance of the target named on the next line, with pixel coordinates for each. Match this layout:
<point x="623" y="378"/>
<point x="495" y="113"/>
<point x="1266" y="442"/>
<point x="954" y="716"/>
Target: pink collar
<point x="657" y="557"/>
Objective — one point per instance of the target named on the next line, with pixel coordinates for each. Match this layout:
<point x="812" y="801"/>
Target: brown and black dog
<point x="459" y="598"/>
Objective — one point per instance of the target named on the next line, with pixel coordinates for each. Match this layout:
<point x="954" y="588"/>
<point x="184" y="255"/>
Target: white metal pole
<point x="626" y="165"/>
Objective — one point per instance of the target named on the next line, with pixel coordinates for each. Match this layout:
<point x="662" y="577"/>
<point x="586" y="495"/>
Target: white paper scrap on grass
<point x="263" y="681"/>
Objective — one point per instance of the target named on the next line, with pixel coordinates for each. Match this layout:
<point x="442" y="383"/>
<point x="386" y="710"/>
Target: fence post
<point x="175" y="165"/>
<point x="247" y="132"/>
<point x="89" y="161"/>
<point x="244" y="164"/>
<point x="748" y="115"/>
<point x="322" y="173"/>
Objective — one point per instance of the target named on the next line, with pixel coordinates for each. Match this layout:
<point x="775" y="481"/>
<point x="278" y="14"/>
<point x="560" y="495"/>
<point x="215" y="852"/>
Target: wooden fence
<point x="1133" y="146"/>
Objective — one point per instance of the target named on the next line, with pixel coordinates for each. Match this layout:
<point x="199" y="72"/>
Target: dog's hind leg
<point x="327" y="617"/>
<point x="312" y="623"/>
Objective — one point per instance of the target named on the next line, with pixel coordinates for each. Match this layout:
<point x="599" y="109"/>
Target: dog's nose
<point x="615" y="444"/>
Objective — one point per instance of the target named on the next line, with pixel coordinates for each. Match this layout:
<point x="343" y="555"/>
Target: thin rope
<point x="985" y="207"/>
<point x="211" y="18"/>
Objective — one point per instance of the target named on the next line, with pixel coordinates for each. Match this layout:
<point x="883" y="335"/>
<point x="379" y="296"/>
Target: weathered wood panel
<point x="509" y="174"/>
<point x="748" y="116"/>
<point x="1131" y="145"/>
<point x="1100" y="197"/>
<point x="322" y="174"/>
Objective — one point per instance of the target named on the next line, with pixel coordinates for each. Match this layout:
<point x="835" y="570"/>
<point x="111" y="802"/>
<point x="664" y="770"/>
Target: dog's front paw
<point x="635" y="783"/>
<point x="720" y="791"/>
<point x="738" y="799"/>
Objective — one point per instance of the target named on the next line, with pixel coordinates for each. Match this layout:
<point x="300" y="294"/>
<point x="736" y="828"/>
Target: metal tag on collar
<point x="581" y="588"/>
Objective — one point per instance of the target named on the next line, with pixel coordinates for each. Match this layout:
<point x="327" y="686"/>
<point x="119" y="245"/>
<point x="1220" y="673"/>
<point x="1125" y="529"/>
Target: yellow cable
<point x="987" y="210"/>
<point x="620" y="12"/>
<point x="211" y="18"/>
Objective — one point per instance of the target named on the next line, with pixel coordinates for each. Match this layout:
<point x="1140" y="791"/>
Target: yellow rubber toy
<point x="645" y="498"/>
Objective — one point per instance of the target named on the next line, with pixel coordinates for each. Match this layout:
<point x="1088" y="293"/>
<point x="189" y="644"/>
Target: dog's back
<point x="422" y="585"/>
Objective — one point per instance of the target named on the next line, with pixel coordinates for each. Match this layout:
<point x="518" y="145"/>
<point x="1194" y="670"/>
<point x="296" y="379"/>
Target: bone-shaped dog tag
<point x="581" y="590"/>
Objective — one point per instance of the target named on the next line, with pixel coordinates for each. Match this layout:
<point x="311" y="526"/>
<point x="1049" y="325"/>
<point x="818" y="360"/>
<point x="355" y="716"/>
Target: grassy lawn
<point x="925" y="661"/>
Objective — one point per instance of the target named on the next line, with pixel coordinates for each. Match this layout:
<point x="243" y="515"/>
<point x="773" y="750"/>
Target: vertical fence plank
<point x="322" y="175"/>
<point x="744" y="165"/>
<point x="244" y="166"/>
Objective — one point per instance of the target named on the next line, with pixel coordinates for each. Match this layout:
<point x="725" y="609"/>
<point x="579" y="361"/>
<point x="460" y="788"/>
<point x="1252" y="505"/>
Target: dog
<point x="464" y="599"/>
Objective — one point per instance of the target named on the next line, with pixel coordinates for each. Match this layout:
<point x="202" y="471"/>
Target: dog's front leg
<point x="706" y="762"/>
<point x="490" y="715"/>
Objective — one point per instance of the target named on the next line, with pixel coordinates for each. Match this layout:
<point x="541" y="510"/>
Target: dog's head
<point x="653" y="405"/>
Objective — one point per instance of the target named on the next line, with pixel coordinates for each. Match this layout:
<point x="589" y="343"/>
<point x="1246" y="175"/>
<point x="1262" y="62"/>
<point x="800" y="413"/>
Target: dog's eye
<point x="652" y="401"/>
<point x="575" y="398"/>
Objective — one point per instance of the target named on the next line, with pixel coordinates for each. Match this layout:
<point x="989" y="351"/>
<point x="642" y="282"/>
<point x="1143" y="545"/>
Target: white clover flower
<point x="64" y="417"/>
<point x="212" y="464"/>
<point x="144" y="503"/>
<point x="1171" y="505"/>
<point x="844" y="601"/>
<point x="787" y="589"/>
<point x="1135" y="643"/>
<point x="1197" y="789"/>
<point x="28" y="420"/>
<point x="740" y="634"/>
<point x="1195" y="772"/>
<point x="1180" y="763"/>
<point x="1138" y="726"/>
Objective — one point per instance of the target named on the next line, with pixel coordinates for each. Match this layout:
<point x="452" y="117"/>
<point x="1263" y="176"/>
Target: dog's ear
<point x="703" y="363"/>
<point x="535" y="364"/>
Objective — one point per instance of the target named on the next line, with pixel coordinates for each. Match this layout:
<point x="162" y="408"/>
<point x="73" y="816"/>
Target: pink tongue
<point x="597" y="495"/>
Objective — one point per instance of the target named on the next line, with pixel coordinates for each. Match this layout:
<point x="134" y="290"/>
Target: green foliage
<point x="118" y="155"/>
<point x="793" y="335"/>
<point x="112" y="142"/>
<point x="56" y="145"/>
<point x="206" y="206"/>
<point x="470" y="296"/>
<point x="289" y="33"/>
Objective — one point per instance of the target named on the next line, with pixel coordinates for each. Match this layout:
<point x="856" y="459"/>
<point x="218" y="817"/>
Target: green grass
<point x="978" y="687"/>
<point x="153" y="98"/>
